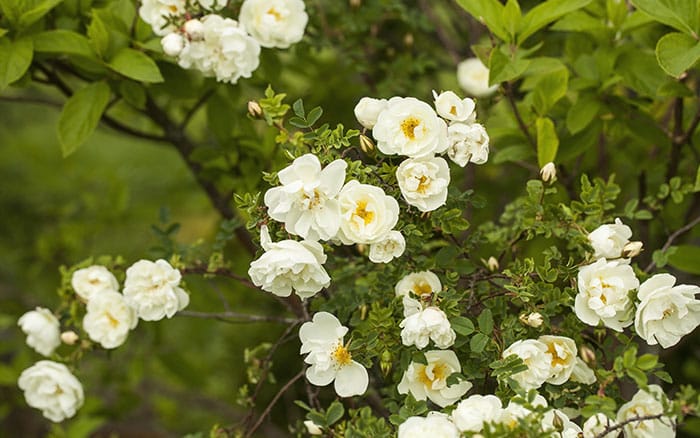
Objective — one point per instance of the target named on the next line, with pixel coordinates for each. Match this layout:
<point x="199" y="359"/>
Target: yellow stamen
<point x="453" y="110"/>
<point x="556" y="360"/>
<point x="274" y="13"/>
<point x="362" y="213"/>
<point x="422" y="288"/>
<point x="341" y="355"/>
<point x="112" y="321"/>
<point x="408" y="127"/>
<point x="423" y="184"/>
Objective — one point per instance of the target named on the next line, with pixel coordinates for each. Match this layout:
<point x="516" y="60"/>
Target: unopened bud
<point x="408" y="39"/>
<point x="557" y="422"/>
<point x="548" y="173"/>
<point x="366" y="144"/>
<point x="385" y="363"/>
<point x="172" y="44"/>
<point x="355" y="3"/>
<point x="313" y="428"/>
<point x="632" y="249"/>
<point x="533" y="319"/>
<point x="194" y="29"/>
<point x="254" y="109"/>
<point x="587" y="355"/>
<point x="492" y="264"/>
<point x="69" y="337"/>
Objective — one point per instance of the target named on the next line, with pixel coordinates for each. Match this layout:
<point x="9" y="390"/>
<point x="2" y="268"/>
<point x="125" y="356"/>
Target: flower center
<point x="556" y="359"/>
<point x="341" y="355"/>
<point x="408" y="127"/>
<point x="453" y="110"/>
<point x="423" y="184"/>
<point x="670" y="311"/>
<point x="112" y="320"/>
<point x="275" y="13"/>
<point x="422" y="288"/>
<point x="311" y="201"/>
<point x="429" y="374"/>
<point x="172" y="8"/>
<point x="362" y="213"/>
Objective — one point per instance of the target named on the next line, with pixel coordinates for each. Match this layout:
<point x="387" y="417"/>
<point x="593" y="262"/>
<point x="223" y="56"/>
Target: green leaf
<point x="582" y="113"/>
<point x="547" y="141"/>
<point x="679" y="14"/>
<point x="696" y="187"/>
<point x="545" y="13"/>
<point x="33" y="15"/>
<point x="638" y="376"/>
<point x="677" y="52"/>
<point x="298" y="108"/>
<point x="334" y="413"/>
<point x="314" y="115"/>
<point x="503" y="69"/>
<point x="686" y="258"/>
<point x="80" y="116"/>
<point x="3" y="32"/>
<point x="15" y="60"/>
<point x="647" y="361"/>
<point x="133" y="93"/>
<point x="489" y="12"/>
<point x="63" y="42"/>
<point x="478" y="342"/>
<point x="511" y="18"/>
<point x="135" y="65"/>
<point x="485" y="321"/>
<point x="98" y="34"/>
<point x="550" y="89"/>
<point x="462" y="326"/>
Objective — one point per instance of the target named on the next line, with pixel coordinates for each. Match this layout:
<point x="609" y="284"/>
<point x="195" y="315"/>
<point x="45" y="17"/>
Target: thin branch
<point x="675" y="158"/>
<point x="523" y="127"/>
<point x="691" y="129"/>
<point x="32" y="100"/>
<point x="237" y="317"/>
<point x="220" y="272"/>
<point x="202" y="100"/>
<point x="637" y="419"/>
<point x="272" y="403"/>
<point x="684" y="229"/>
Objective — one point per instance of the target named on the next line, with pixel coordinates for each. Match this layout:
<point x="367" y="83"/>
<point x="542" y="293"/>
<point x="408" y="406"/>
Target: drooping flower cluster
<point x="200" y="37"/>
<point x="409" y="127"/>
<point x="151" y="292"/>
<point x="664" y="313"/>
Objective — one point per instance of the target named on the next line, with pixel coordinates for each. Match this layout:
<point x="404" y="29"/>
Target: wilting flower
<point x="536" y="356"/>
<point x="52" y="388"/>
<point x="473" y="77"/>
<point x="410" y="127"/>
<point x="645" y="404"/>
<point x="468" y="143"/>
<point x="307" y="201"/>
<point x="424" y="182"/>
<point x="610" y="239"/>
<point x="43" y="330"/>
<point x="388" y="249"/>
<point x="93" y="280"/>
<point x="563" y="357"/>
<point x="367" y="213"/>
<point x="449" y="106"/>
<point x="602" y="296"/>
<point x="329" y="357"/>
<point x="430" y="380"/>
<point x="274" y="23"/>
<point x="435" y="424"/>
<point x="367" y="110"/>
<point x="289" y="265"/>
<point x="472" y="413"/>
<point x="666" y="313"/>
<point x="152" y="289"/>
<point x="109" y="319"/>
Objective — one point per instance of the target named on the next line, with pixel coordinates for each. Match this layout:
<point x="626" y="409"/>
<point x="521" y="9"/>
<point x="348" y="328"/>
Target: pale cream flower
<point x="421" y="284"/>
<point x="424" y="182"/>
<point x="557" y="421"/>
<point x="597" y="424"/>
<point x="434" y="425"/>
<point x="274" y="23"/>
<point x="43" y="330"/>
<point x="536" y="356"/>
<point x="329" y="357"/>
<point x="563" y="353"/>
<point x="472" y="413"/>
<point x="450" y="107"/>
<point x="109" y="319"/>
<point x="368" y="109"/>
<point x="172" y="44"/>
<point x="473" y="77"/>
<point x="646" y="404"/>
<point x="152" y="289"/>
<point x="388" y="249"/>
<point x="52" y="388"/>
<point x="430" y="380"/>
<point x="156" y="13"/>
<point x="610" y="239"/>
<point x="367" y="213"/>
<point x="582" y="373"/>
<point x="93" y="280"/>
<point x="421" y="326"/>
<point x="467" y="143"/>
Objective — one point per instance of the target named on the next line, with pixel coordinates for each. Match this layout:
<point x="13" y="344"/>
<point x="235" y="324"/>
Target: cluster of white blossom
<point x="221" y="47"/>
<point x="409" y="127"/>
<point x="664" y="313"/>
<point x="151" y="292"/>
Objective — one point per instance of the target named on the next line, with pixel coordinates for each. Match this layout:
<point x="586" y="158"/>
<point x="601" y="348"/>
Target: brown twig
<point x="637" y="419"/>
<point x="237" y="317"/>
<point x="508" y="88"/>
<point x="219" y="272"/>
<point x="687" y="227"/>
<point x="272" y="403"/>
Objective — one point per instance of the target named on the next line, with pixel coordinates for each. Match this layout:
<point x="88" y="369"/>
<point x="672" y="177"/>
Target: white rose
<point x="367" y="110"/>
<point x="151" y="288"/>
<point x="93" y="280"/>
<point x="156" y="12"/>
<point x="42" y="329"/>
<point x="514" y="412"/>
<point x="582" y="373"/>
<point x="424" y="182"/>
<point x="473" y="77"/>
<point x="434" y="425"/>
<point x="109" y="319"/>
<point x="427" y="324"/>
<point x="410" y="127"/>
<point x="556" y="420"/>
<point x="449" y="106"/>
<point x="330" y="360"/>
<point x="609" y="240"/>
<point x="430" y="380"/>
<point x="472" y="413"/>
<point x="225" y="50"/>
<point x="194" y="29"/>
<point x="467" y="143"/>
<point x="367" y="213"/>
<point x="536" y="356"/>
<point x="274" y="23"/>
<point x="307" y="201"/>
<point x="172" y="44"/>
<point x="388" y="249"/>
<point x="646" y="404"/>
<point x="289" y="265"/>
<point x="666" y="313"/>
<point x="563" y="352"/>
<point x="597" y="424"/>
<point x="602" y="296"/>
<point x="421" y="284"/>
<point x="50" y="387"/>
